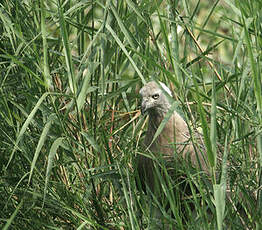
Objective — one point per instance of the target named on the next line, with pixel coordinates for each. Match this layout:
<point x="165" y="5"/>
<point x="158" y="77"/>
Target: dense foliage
<point x="70" y="125"/>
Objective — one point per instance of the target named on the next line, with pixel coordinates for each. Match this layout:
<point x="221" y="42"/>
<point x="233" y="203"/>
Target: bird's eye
<point x="155" y="96"/>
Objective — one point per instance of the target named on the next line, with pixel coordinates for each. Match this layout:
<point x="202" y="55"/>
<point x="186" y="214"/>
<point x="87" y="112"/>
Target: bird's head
<point x="154" y="99"/>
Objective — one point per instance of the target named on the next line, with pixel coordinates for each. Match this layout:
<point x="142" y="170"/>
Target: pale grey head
<point x="154" y="99"/>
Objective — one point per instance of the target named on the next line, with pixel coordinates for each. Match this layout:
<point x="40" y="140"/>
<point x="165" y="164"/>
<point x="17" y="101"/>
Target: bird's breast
<point x="174" y="135"/>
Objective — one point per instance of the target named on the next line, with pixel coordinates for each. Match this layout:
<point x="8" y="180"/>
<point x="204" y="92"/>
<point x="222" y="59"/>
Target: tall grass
<point x="70" y="122"/>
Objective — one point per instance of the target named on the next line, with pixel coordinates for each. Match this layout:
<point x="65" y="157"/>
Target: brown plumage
<point x="173" y="142"/>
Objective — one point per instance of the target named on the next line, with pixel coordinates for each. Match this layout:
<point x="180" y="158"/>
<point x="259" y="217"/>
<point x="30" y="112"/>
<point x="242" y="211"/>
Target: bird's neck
<point x="156" y="116"/>
<point x="160" y="111"/>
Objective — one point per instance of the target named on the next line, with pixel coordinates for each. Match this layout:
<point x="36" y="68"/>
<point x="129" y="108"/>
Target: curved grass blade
<point x="26" y="124"/>
<point x="41" y="143"/>
<point x="56" y="144"/>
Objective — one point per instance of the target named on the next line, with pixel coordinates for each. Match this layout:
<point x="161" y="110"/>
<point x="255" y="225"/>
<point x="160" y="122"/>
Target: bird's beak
<point x="143" y="110"/>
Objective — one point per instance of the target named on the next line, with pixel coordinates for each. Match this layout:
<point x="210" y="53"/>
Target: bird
<point x="173" y="142"/>
<point x="172" y="146"/>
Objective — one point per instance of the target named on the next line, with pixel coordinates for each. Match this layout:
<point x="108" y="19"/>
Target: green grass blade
<point x="86" y="88"/>
<point x="124" y="29"/>
<point x="26" y="124"/>
<point x="205" y="128"/>
<point x="122" y="46"/>
<point x="67" y="51"/>
<point x="213" y="129"/>
<point x="164" y="121"/>
<point x="41" y="143"/>
<point x="53" y="151"/>
<point x="220" y="197"/>
<point x="47" y="77"/>
<point x="11" y="219"/>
